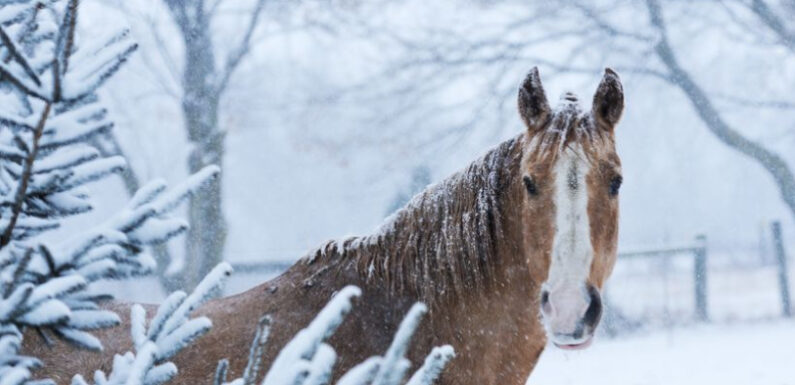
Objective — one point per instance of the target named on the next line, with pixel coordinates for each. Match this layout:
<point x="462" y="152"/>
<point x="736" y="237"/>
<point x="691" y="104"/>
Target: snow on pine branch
<point x="170" y="331"/>
<point x="61" y="272"/>
<point x="391" y="368"/>
<point x="49" y="287"/>
<point x="308" y="360"/>
<point x="146" y="220"/>
<point x="49" y="113"/>
<point x="45" y="63"/>
<point x="433" y="366"/>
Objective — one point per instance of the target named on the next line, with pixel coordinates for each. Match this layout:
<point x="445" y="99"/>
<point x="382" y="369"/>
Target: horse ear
<point x="533" y="105"/>
<point x="608" y="102"/>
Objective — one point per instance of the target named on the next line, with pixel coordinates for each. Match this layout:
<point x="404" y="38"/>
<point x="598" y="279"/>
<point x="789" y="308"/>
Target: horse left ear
<point x="608" y="102"/>
<point x="533" y="105"/>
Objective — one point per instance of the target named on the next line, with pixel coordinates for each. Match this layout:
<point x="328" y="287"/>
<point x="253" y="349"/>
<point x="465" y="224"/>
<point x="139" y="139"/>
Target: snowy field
<point x="748" y="353"/>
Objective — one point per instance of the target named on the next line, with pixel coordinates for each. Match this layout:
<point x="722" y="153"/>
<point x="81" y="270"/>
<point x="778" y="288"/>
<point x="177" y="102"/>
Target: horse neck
<point x="458" y="247"/>
<point x="453" y="239"/>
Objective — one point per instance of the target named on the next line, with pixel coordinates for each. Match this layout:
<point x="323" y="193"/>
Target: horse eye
<point x="531" y="187"/>
<point x="615" y="185"/>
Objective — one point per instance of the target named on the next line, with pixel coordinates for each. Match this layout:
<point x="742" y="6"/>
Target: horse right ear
<point x="608" y="102"/>
<point x="533" y="105"/>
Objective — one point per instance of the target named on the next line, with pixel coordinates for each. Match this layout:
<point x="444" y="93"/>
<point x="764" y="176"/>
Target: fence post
<point x="781" y="259"/>
<point x="700" y="272"/>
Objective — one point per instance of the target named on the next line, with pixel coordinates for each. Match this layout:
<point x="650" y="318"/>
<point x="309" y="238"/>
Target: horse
<point x="507" y="253"/>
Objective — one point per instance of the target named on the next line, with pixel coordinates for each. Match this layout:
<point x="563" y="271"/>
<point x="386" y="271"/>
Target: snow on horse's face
<point x="572" y="175"/>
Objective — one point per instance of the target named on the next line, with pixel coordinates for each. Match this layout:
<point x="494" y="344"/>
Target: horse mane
<point x="444" y="240"/>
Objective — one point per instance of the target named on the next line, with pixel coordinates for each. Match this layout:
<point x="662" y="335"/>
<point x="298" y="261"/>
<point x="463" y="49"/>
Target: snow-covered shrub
<point x="169" y="332"/>
<point x="49" y="115"/>
<point x="308" y="360"/>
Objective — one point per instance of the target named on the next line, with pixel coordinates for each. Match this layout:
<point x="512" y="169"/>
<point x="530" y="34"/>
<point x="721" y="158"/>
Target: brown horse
<point x="508" y="252"/>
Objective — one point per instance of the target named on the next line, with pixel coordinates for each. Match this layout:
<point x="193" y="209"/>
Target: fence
<point x="781" y="262"/>
<point x="699" y="252"/>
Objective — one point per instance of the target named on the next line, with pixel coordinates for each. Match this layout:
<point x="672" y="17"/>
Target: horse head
<point x="571" y="174"/>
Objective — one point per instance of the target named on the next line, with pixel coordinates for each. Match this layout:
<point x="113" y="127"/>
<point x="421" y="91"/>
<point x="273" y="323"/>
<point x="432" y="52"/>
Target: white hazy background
<point x="321" y="142"/>
<point x="304" y="165"/>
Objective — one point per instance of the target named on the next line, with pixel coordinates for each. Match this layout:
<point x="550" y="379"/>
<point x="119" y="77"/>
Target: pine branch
<point x="251" y="372"/>
<point x="394" y="365"/>
<point x="63" y="48"/>
<point x="27" y="89"/>
<point x="170" y="331"/>
<point x="45" y="159"/>
<point x="19" y="196"/>
<point x="433" y="366"/>
<point x="308" y="360"/>
<point x="220" y="372"/>
<point x="17" y="56"/>
<point x="108" y="145"/>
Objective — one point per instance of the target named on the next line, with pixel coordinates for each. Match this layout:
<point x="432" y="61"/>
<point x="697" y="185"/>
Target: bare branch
<point x="753" y="103"/>
<point x="608" y="28"/>
<point x="214" y="7"/>
<point x="169" y="61"/>
<point x="773" y="163"/>
<point x="179" y="13"/>
<point x="772" y="21"/>
<point x="237" y="55"/>
<point x="598" y="70"/>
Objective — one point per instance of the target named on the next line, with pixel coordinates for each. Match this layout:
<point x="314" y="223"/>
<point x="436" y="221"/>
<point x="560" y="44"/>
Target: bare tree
<point x="677" y="75"/>
<point x="203" y="86"/>
<point x="203" y="79"/>
<point x="710" y="116"/>
<point x="774" y="22"/>
<point x="440" y="57"/>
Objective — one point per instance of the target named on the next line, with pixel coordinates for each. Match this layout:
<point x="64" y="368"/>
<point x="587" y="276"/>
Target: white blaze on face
<point x="572" y="251"/>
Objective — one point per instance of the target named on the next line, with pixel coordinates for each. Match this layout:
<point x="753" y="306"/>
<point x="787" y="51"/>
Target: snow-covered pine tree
<point x="49" y="110"/>
<point x="308" y="360"/>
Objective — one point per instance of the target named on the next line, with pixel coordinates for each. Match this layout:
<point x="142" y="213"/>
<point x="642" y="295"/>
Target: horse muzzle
<point x="571" y="315"/>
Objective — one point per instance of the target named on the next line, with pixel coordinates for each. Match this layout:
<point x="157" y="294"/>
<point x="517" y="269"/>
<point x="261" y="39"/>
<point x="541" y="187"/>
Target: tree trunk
<point x="207" y="234"/>
<point x="202" y="87"/>
<point x="772" y="162"/>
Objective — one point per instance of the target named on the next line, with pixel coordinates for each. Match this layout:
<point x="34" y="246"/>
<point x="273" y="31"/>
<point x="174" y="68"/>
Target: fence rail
<point x="262" y="267"/>
<point x="699" y="252"/>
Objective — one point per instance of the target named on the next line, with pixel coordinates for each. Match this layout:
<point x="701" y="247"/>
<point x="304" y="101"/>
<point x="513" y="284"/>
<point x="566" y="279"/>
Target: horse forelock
<point x="568" y="129"/>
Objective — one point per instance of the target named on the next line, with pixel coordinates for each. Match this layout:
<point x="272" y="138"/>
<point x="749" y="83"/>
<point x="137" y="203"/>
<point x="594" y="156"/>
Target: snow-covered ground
<point x="761" y="353"/>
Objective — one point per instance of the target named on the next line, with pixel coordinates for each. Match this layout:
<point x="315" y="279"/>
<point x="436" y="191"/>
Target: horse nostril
<point x="594" y="312"/>
<point x="545" y="306"/>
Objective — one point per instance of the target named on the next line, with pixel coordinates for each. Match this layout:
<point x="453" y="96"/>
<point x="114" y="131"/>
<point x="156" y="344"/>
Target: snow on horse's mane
<point x="443" y="240"/>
